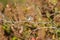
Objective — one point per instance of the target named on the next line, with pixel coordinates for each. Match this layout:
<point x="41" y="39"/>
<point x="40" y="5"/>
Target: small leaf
<point x="54" y="2"/>
<point x="47" y="14"/>
<point x="4" y="26"/>
<point x="14" y="38"/>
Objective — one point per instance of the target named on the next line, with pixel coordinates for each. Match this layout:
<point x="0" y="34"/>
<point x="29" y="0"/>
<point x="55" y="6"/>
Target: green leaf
<point x="14" y="38"/>
<point x="5" y="26"/>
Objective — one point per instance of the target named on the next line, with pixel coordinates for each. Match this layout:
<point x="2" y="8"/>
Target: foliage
<point x="7" y="29"/>
<point x="15" y="38"/>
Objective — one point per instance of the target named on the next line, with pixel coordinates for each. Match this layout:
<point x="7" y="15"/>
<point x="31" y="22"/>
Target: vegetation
<point x="29" y="20"/>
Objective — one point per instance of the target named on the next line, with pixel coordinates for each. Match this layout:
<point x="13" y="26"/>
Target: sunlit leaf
<point x="54" y="2"/>
<point x="47" y="14"/>
<point x="14" y="38"/>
